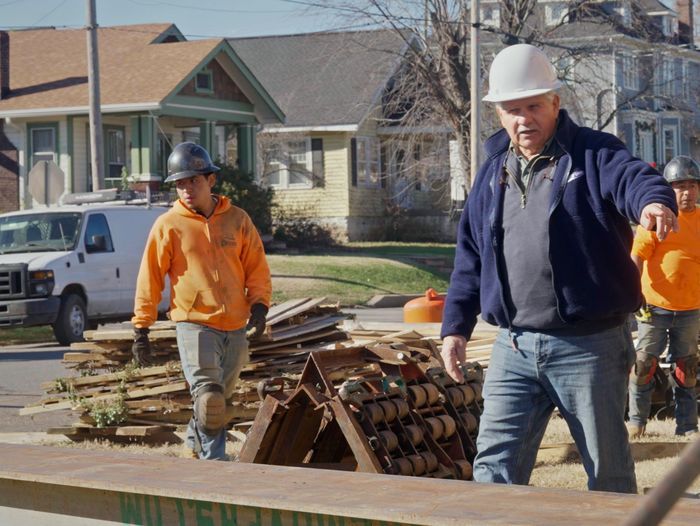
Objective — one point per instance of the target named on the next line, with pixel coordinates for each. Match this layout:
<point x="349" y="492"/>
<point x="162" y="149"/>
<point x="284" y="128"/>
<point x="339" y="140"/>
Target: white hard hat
<point x="518" y="72"/>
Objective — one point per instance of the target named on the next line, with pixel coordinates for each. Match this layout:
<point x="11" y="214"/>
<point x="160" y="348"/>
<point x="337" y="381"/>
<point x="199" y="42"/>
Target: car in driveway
<point x="72" y="266"/>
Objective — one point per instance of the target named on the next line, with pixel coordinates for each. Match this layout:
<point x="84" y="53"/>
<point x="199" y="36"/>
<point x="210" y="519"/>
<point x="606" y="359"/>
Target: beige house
<point x="157" y="89"/>
<point x="336" y="159"/>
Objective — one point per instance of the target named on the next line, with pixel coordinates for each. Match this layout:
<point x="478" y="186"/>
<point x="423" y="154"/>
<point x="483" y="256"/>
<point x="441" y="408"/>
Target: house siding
<point x="328" y="202"/>
<point x="224" y="87"/>
<point x="9" y="175"/>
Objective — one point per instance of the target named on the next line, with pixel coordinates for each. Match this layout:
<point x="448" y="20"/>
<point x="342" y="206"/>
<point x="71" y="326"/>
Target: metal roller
<point x="432" y="392"/>
<point x="468" y="393"/>
<point x="389" y="439"/>
<point x="435" y="426"/>
<point x="470" y="422"/>
<point x="374" y="412"/>
<point x="389" y="410"/>
<point x="449" y="425"/>
<point x="418" y="395"/>
<point x="401" y="407"/>
<point x="464" y="469"/>
<point x="477" y="391"/>
<point x="418" y="464"/>
<point x="431" y="461"/>
<point x="456" y="396"/>
<point x="414" y="434"/>
<point x="403" y="466"/>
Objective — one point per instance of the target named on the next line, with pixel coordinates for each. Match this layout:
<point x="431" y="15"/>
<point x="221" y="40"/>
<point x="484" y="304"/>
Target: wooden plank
<point x="274" y="318"/>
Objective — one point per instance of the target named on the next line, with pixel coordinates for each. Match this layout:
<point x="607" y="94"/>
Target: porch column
<point x="207" y="137"/>
<point x="246" y="147"/>
<point x="143" y="145"/>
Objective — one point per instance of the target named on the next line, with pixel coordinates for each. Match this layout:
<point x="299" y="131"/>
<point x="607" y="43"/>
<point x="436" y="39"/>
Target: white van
<point x="72" y="266"/>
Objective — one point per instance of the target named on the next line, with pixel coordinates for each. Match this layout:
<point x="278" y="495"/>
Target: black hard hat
<point x="682" y="168"/>
<point x="187" y="160"/>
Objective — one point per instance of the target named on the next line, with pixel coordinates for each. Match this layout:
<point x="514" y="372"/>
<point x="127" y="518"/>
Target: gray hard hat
<point x="682" y="168"/>
<point x="187" y="160"/>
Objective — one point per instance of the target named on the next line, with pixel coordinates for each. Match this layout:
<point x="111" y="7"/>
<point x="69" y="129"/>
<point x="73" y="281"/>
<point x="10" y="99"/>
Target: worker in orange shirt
<point x="220" y="290"/>
<point x="671" y="286"/>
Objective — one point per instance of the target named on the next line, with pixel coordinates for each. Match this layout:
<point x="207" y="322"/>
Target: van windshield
<point x="39" y="232"/>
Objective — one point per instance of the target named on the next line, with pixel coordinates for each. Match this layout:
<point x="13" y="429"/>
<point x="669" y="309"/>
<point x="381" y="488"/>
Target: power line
<point x="211" y="9"/>
<point x="50" y="12"/>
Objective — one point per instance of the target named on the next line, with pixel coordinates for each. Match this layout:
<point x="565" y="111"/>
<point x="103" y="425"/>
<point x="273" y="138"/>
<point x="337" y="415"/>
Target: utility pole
<point x="475" y="84"/>
<point x="96" y="150"/>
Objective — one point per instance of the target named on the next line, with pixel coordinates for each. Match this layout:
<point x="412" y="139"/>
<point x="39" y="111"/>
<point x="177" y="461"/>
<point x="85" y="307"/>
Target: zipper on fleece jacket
<point x="494" y="246"/>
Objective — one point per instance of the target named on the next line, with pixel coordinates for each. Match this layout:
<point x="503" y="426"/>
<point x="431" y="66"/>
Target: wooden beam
<point x="40" y="484"/>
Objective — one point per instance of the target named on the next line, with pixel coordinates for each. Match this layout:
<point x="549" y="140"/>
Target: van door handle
<point x="117" y="272"/>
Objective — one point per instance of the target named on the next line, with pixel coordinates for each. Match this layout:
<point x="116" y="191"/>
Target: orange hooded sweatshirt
<point x="217" y="268"/>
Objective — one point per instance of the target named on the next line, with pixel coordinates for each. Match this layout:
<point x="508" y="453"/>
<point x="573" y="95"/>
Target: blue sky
<point x="196" y="19"/>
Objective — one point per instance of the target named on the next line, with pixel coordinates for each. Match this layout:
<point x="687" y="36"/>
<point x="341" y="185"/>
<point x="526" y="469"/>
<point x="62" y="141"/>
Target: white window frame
<point x="365" y="163"/>
<point x="668" y="69"/>
<point x="550" y="18"/>
<point x="673" y="128"/>
<point x="38" y="153"/>
<point x="495" y="15"/>
<point x="282" y="167"/>
<point x="630" y="71"/>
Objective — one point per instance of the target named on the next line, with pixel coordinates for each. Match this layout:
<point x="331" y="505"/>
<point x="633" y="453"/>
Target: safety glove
<point x="643" y="314"/>
<point x="141" y="348"/>
<point x="256" y="322"/>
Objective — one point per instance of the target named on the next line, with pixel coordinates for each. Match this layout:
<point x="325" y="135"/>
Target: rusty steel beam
<point x="62" y="486"/>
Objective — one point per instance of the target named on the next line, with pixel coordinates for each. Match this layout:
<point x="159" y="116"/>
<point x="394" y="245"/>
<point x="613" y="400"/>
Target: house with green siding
<point x="157" y="89"/>
<point x="337" y="159"/>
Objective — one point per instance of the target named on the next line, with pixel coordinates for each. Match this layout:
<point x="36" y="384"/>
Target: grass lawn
<point x="350" y="279"/>
<point x="23" y="335"/>
<point x="403" y="249"/>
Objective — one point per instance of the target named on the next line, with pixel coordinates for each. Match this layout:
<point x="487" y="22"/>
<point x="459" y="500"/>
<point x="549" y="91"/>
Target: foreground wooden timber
<point x="59" y="486"/>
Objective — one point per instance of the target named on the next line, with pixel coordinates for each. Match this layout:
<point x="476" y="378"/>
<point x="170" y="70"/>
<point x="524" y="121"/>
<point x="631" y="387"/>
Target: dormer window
<point x="554" y="13"/>
<point x="491" y="15"/>
<point x="204" y="82"/>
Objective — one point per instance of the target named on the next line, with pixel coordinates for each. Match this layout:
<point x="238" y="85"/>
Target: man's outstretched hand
<point x="454" y="352"/>
<point x="658" y="217"/>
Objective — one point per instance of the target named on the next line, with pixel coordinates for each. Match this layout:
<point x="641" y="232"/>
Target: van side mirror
<point x="99" y="244"/>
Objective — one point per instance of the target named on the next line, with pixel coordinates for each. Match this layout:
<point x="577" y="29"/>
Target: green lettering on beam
<point x="180" y="512"/>
<point x="149" y="516"/>
<point x="130" y="508"/>
<point x="200" y="517"/>
<point x="229" y="514"/>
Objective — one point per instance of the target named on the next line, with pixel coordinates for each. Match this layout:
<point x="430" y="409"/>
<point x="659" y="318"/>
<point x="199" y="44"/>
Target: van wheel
<point x="71" y="320"/>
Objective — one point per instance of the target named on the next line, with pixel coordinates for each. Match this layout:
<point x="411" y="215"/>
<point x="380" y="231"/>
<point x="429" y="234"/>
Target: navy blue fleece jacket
<point x="598" y="188"/>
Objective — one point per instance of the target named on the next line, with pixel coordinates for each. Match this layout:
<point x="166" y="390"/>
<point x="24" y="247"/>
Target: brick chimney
<point x="685" y="22"/>
<point x="4" y="64"/>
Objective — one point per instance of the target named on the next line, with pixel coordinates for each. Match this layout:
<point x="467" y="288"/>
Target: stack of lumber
<point x="113" y="393"/>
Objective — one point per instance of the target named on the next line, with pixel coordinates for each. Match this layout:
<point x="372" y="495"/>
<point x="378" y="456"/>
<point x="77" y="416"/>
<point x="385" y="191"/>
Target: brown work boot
<point x="188" y="452"/>
<point x="635" y="430"/>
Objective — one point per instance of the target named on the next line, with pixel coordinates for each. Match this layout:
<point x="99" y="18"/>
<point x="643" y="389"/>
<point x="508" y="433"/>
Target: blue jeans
<point x="210" y="356"/>
<point x="680" y="330"/>
<point x="585" y="377"/>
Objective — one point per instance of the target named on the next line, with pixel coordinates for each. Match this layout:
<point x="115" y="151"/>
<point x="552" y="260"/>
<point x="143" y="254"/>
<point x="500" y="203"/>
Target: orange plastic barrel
<point x="425" y="309"/>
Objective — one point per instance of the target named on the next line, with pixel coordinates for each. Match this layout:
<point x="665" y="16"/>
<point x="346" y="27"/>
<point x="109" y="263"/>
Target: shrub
<point x="301" y="232"/>
<point x="243" y="191"/>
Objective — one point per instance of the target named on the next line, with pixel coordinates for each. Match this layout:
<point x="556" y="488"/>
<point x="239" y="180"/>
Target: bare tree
<point x="431" y="92"/>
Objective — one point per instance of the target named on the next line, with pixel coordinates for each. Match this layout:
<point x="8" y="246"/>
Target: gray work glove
<point x="141" y="348"/>
<point x="256" y="322"/>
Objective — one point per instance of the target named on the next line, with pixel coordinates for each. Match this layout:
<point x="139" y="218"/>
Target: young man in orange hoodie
<point x="220" y="289"/>
<point x="671" y="286"/>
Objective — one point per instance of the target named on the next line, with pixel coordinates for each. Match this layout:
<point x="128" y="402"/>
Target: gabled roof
<point x="48" y="67"/>
<point x="323" y="79"/>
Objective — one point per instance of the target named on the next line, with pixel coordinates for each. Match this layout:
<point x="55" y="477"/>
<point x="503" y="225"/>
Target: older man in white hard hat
<point x="543" y="252"/>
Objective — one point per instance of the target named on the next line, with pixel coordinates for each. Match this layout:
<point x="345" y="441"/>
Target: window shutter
<point x="353" y="160"/>
<point x="317" y="161"/>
